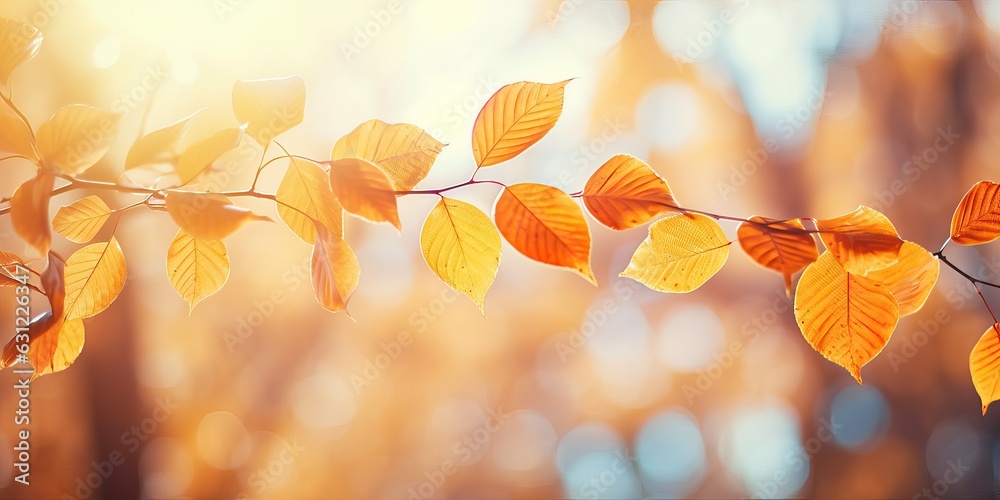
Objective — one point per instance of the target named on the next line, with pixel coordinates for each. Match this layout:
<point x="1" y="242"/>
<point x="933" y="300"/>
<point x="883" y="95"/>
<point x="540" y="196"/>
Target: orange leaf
<point x="305" y="189"/>
<point x="405" y="152"/>
<point x="625" y="192"/>
<point x="782" y="246"/>
<point x="977" y="218"/>
<point x="29" y="211"/>
<point x="208" y="216"/>
<point x="861" y="241"/>
<point x="984" y="363"/>
<point x="10" y="266"/>
<point x="76" y="137"/>
<point x="680" y="254"/>
<point x="364" y="190"/>
<point x="845" y="317"/>
<point x="545" y="225"/>
<point x="911" y="279"/>
<point x="335" y="270"/>
<point x="516" y="117"/>
<point x="15" y="134"/>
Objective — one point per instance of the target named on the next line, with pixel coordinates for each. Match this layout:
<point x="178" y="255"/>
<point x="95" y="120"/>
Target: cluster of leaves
<point x="847" y="303"/>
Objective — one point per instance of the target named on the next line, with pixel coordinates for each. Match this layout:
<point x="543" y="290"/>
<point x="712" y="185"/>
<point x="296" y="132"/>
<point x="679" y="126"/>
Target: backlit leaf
<point x="911" y="278"/>
<point x="305" y="188"/>
<point x="199" y="156"/>
<point x="80" y="221"/>
<point x="15" y="135"/>
<point x="845" y="317"/>
<point x="364" y="190"/>
<point x="270" y="107"/>
<point x="781" y="246"/>
<point x="977" y="218"/>
<point x="680" y="254"/>
<point x="404" y="152"/>
<point x="335" y="270"/>
<point x="19" y="43"/>
<point x="461" y="245"/>
<point x="159" y="146"/>
<point x="625" y="192"/>
<point x="196" y="268"/>
<point x="861" y="241"/>
<point x="76" y="137"/>
<point x="29" y="211"/>
<point x="95" y="275"/>
<point x="516" y="117"/>
<point x="10" y="269"/>
<point x="545" y="225"/>
<point x="984" y="363"/>
<point x="208" y="216"/>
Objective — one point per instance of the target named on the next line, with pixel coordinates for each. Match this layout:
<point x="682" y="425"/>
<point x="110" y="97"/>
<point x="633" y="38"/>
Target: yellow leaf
<point x="159" y="146"/>
<point x="516" y="117"/>
<point x="461" y="245"/>
<point x="76" y="137"/>
<point x="625" y="192"/>
<point x="196" y="268"/>
<point x="364" y="190"/>
<point x="270" y="107"/>
<point x="545" y="225"/>
<point x="335" y="270"/>
<point x="845" y="317"/>
<point x="984" y="363"/>
<point x="29" y="211"/>
<point x="19" y="43"/>
<point x="405" y="152"/>
<point x="208" y="216"/>
<point x="305" y="189"/>
<point x="680" y="254"/>
<point x="861" y="241"/>
<point x="977" y="218"/>
<point x="782" y="246"/>
<point x="95" y="275"/>
<point x="80" y="221"/>
<point x="15" y="134"/>
<point x="199" y="156"/>
<point x="911" y="279"/>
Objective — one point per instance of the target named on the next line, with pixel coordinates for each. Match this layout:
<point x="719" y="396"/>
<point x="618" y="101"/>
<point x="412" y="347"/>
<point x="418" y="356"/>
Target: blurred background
<point x="778" y="108"/>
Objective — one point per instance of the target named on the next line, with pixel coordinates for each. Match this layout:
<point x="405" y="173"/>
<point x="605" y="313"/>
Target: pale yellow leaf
<point x="19" y="42"/>
<point x="305" y="189"/>
<point x="200" y="155"/>
<point x="403" y="151"/>
<point x="95" y="275"/>
<point x="680" y="254"/>
<point x="80" y="221"/>
<point x="76" y="137"/>
<point x="196" y="268"/>
<point x="461" y="245"/>
<point x="270" y="107"/>
<point x="159" y="146"/>
<point x="208" y="216"/>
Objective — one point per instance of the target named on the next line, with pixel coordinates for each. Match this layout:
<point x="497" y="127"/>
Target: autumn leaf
<point x="984" y="363"/>
<point x="680" y="254"/>
<point x="910" y="279"/>
<point x="199" y="156"/>
<point x="781" y="246"/>
<point x="95" y="275"/>
<point x="305" y="189"/>
<point x="270" y="107"/>
<point x="80" y="221"/>
<point x="462" y="247"/>
<point x="208" y="216"/>
<point x="404" y="152"/>
<point x="19" y="43"/>
<point x="29" y="211"/>
<point x="861" y="241"/>
<point x="516" y="117"/>
<point x="625" y="192"/>
<point x="159" y="146"/>
<point x="977" y="218"/>
<point x="9" y="269"/>
<point x="76" y="137"/>
<point x="196" y="268"/>
<point x="845" y="317"/>
<point x="15" y="134"/>
<point x="364" y="190"/>
<point x="335" y="271"/>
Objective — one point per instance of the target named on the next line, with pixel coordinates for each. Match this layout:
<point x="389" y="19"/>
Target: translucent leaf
<point x="784" y="247"/>
<point x="196" y="268"/>
<point x="81" y="220"/>
<point x="680" y="254"/>
<point x="911" y="279"/>
<point x="76" y="137"/>
<point x="984" y="363"/>
<point x="461" y="245"/>
<point x="95" y="275"/>
<point x="29" y="211"/>
<point x="364" y="190"/>
<point x="977" y="218"/>
<point x="15" y="134"/>
<point x="270" y="107"/>
<point x="208" y="216"/>
<point x="845" y="317"/>
<point x="861" y="241"/>
<point x="9" y="264"/>
<point x="159" y="146"/>
<point x="199" y="156"/>
<point x="19" y="43"/>
<point x="404" y="152"/>
<point x="305" y="189"/>
<point x="545" y="225"/>
<point x="516" y="117"/>
<point x="335" y="270"/>
<point x="625" y="192"/>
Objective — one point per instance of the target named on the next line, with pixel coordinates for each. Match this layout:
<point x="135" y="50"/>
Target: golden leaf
<point x="19" y="43"/>
<point x="516" y="117"/>
<point x="159" y="146"/>
<point x="861" y="241"/>
<point x="29" y="211"/>
<point x="910" y="279"/>
<point x="270" y="107"/>
<point x="364" y="190"/>
<point x="977" y="218"/>
<point x="76" y="137"/>
<point x="680" y="254"/>
<point x="984" y="363"/>
<point x="335" y="270"/>
<point x="95" y="275"/>
<point x="196" y="268"/>
<point x="199" y="156"/>
<point x="781" y="246"/>
<point x="15" y="134"/>
<point x="404" y="152"/>
<point x="625" y="192"/>
<point x="305" y="189"/>
<point x="208" y="216"/>
<point x="461" y="245"/>
<point x="80" y="221"/>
